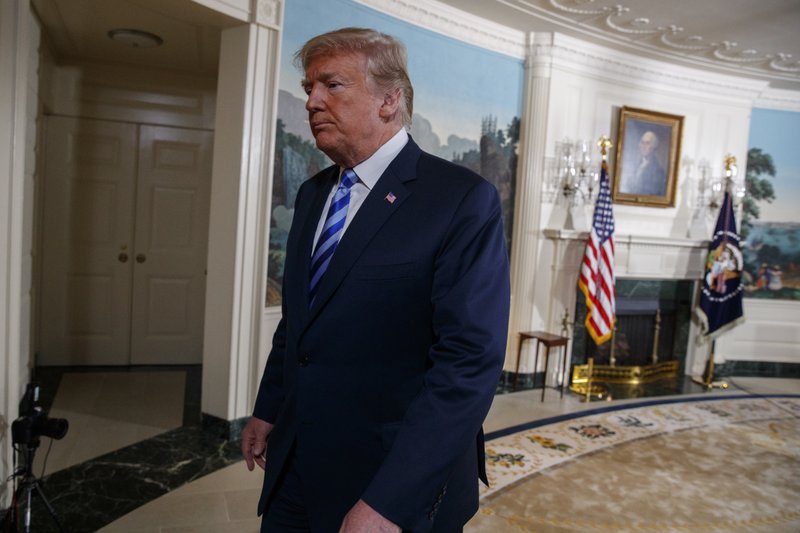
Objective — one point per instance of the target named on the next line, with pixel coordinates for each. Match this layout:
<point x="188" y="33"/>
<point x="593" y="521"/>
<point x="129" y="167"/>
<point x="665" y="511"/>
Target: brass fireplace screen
<point x="622" y="360"/>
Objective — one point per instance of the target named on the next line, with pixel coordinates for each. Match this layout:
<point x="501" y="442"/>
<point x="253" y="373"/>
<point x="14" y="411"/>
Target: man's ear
<point x="390" y="105"/>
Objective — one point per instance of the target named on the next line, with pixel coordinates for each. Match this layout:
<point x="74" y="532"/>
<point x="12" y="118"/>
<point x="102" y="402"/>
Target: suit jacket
<point x="382" y="385"/>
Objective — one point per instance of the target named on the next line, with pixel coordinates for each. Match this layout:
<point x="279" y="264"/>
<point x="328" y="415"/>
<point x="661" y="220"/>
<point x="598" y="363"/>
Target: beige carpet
<point x="723" y="465"/>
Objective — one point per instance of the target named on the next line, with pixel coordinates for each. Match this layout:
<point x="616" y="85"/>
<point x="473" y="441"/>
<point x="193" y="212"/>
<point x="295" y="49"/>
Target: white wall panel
<point x="770" y="333"/>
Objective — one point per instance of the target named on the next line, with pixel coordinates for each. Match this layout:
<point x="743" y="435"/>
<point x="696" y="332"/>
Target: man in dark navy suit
<point x="395" y="310"/>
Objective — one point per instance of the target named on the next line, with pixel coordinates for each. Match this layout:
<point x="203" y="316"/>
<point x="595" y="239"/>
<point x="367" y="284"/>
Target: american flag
<point x="596" y="279"/>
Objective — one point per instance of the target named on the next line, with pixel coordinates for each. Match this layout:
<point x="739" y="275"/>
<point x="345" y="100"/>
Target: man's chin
<point x="320" y="139"/>
<point x="325" y="144"/>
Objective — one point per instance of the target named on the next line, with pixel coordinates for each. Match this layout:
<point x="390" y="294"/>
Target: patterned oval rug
<point x="704" y="465"/>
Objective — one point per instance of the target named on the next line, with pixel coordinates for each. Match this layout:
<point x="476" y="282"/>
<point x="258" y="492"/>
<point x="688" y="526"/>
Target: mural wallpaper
<point x="467" y="104"/>
<point x="771" y="221"/>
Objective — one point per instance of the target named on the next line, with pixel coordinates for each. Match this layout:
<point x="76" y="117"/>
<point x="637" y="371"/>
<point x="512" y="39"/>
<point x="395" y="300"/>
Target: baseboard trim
<point x="230" y="430"/>
<point x="763" y="369"/>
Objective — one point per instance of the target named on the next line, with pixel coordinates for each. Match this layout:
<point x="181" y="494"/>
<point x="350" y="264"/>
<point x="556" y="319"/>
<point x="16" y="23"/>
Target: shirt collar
<point x="371" y="169"/>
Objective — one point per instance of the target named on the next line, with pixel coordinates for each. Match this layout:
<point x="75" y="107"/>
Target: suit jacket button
<point x="304" y="360"/>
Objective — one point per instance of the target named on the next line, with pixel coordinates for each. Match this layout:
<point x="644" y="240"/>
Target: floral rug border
<point x="512" y="457"/>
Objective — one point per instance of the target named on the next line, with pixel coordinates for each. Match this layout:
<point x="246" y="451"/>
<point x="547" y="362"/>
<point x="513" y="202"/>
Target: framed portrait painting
<point x="648" y="155"/>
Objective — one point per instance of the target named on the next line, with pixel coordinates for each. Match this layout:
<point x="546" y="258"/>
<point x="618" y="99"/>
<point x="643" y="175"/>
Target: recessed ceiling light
<point x="135" y="38"/>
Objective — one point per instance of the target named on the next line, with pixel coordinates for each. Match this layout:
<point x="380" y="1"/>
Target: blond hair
<point x="387" y="62"/>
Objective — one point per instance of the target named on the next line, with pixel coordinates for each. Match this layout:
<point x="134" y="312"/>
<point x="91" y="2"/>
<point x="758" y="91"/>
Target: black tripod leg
<point x="46" y="504"/>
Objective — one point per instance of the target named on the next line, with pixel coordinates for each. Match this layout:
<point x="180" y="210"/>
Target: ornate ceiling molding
<point x="454" y="23"/>
<point x="545" y="49"/>
<point x="604" y="63"/>
<point x="620" y="22"/>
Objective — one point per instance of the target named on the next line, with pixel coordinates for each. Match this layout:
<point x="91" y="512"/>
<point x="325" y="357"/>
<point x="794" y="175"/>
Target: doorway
<point x="124" y="243"/>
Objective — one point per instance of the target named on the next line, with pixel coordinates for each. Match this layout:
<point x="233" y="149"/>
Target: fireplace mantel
<point x="636" y="256"/>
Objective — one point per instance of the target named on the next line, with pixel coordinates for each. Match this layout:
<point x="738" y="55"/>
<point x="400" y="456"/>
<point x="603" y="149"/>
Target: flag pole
<point x="707" y="378"/>
<point x="710" y="382"/>
<point x="604" y="143"/>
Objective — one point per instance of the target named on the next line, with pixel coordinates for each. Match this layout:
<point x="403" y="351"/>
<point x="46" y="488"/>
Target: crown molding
<point x="606" y="63"/>
<point x="624" y="25"/>
<point x="451" y="22"/>
<point x="779" y="99"/>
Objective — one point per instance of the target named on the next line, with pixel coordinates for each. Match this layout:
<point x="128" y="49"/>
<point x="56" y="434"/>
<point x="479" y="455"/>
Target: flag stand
<point x="588" y="397"/>
<point x="707" y="379"/>
<point x="596" y="273"/>
<point x="720" y="306"/>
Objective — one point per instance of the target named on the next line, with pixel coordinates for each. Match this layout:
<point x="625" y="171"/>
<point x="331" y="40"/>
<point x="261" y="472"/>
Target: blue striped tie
<point x="331" y="232"/>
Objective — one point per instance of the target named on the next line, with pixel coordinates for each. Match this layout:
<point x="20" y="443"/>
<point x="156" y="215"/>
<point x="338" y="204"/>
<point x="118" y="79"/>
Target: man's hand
<point x="254" y="442"/>
<point x="364" y="519"/>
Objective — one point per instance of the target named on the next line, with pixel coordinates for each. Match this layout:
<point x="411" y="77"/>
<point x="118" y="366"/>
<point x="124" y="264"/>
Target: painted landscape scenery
<point x="493" y="156"/>
<point x="467" y="103"/>
<point x="772" y="260"/>
<point x="771" y="220"/>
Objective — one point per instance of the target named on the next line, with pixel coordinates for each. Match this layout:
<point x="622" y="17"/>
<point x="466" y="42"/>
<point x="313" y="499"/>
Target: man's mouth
<point x="317" y="124"/>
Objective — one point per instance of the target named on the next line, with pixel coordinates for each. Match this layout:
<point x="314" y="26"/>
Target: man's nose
<point x="314" y="100"/>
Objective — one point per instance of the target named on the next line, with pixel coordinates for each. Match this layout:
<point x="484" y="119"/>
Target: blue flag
<point x="721" y="299"/>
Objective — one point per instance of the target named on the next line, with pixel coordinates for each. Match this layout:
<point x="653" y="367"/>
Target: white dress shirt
<point x="368" y="172"/>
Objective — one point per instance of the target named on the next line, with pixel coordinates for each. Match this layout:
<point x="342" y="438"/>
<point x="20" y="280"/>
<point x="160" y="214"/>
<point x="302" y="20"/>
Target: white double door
<point x="125" y="233"/>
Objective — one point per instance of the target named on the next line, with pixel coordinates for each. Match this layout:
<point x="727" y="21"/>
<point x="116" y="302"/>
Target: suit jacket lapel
<point x="374" y="212"/>
<point x="300" y="262"/>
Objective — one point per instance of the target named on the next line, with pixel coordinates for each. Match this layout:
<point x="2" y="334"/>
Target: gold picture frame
<point x="647" y="159"/>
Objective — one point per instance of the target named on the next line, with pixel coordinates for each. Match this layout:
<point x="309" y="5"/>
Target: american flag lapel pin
<point x="391" y="197"/>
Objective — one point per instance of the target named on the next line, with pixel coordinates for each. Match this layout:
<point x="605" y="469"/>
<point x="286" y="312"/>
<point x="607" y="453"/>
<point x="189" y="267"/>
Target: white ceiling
<point x="78" y="30"/>
<point x="754" y="38"/>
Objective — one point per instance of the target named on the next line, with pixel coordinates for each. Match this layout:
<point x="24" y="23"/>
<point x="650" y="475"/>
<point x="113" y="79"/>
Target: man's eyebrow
<point x="322" y="76"/>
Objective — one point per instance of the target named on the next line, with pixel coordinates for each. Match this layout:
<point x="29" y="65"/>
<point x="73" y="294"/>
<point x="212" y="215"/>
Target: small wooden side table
<point x="550" y="341"/>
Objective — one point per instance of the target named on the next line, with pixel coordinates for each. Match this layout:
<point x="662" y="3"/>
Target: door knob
<point x="123" y="257"/>
<point x="141" y="258"/>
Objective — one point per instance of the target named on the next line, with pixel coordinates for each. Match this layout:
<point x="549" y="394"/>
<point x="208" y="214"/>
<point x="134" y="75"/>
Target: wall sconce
<point x="711" y="191"/>
<point x="577" y="177"/>
<point x="730" y="182"/>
